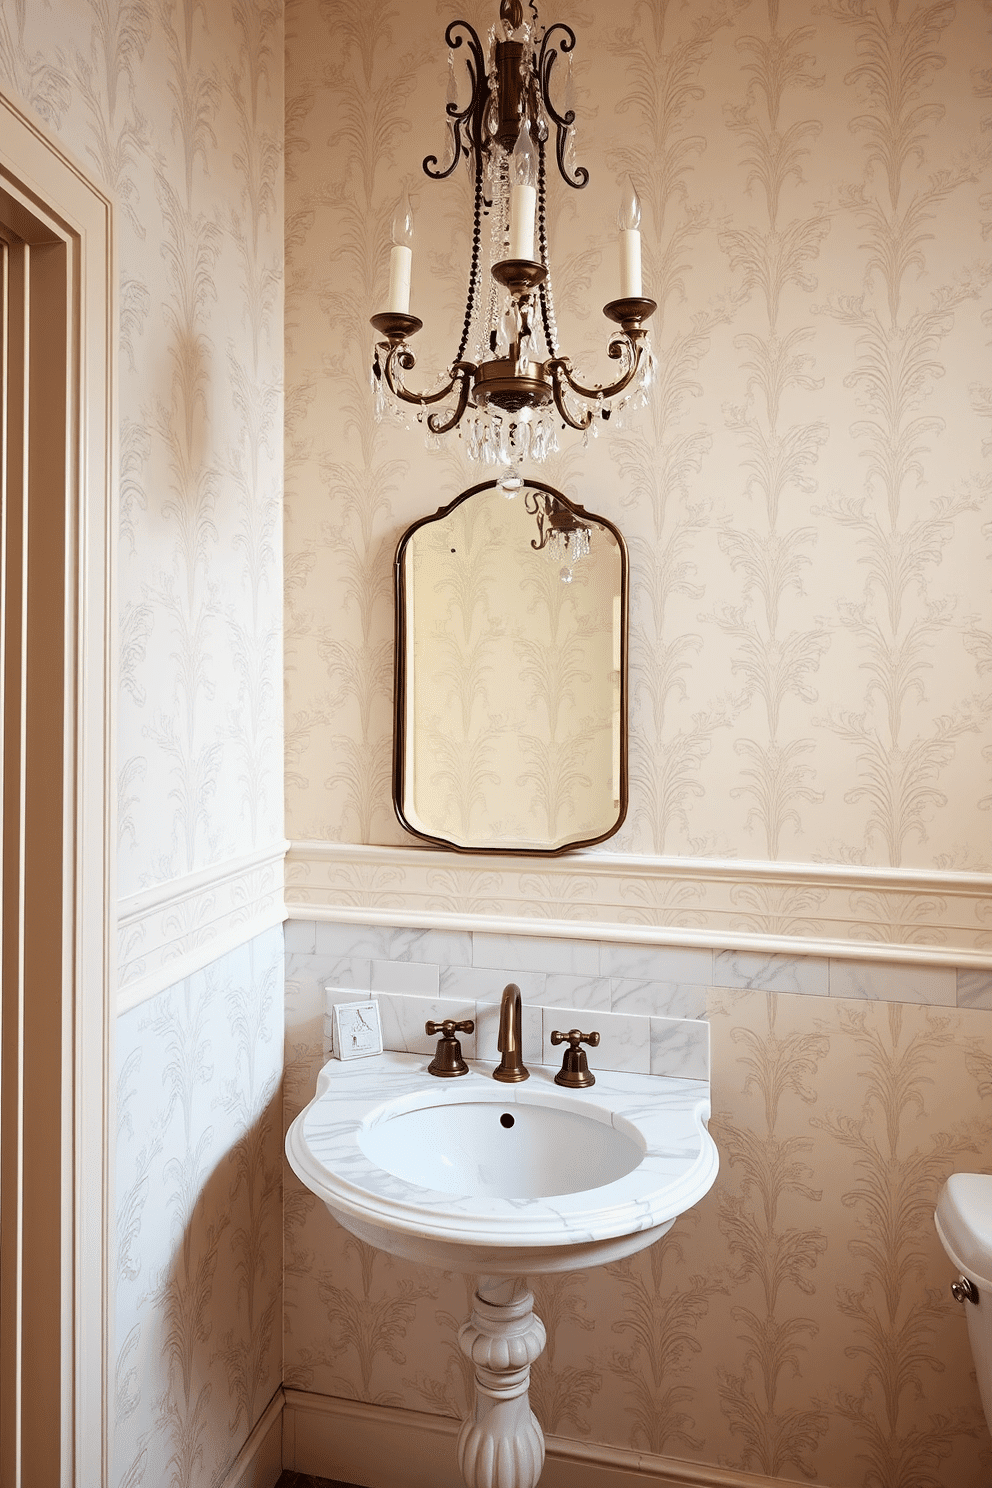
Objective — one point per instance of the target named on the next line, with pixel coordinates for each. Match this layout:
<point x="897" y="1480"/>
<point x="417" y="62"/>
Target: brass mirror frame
<point x="401" y="678"/>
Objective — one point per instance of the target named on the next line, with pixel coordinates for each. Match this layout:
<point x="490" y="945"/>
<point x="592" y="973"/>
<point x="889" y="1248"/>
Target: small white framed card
<point x="357" y="1029"/>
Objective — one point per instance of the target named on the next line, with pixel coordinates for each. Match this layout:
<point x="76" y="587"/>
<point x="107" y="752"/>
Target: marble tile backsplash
<point x="594" y="976"/>
<point x="974" y="989"/>
<point x="677" y="1047"/>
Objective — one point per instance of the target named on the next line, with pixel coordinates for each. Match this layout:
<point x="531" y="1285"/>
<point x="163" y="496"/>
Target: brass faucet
<point x="511" y="1066"/>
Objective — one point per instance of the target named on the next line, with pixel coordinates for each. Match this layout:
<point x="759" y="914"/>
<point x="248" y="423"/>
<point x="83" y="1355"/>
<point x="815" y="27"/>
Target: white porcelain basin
<point x="518" y="1150"/>
<point x="503" y="1180"/>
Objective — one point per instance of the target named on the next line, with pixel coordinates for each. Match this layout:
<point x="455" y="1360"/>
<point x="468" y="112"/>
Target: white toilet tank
<point x="964" y="1224"/>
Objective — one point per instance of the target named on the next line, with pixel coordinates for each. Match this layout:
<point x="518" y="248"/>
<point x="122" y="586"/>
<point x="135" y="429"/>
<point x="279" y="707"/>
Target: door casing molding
<point x="46" y="197"/>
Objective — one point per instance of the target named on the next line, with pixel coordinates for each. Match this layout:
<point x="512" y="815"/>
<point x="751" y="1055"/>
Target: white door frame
<point x="64" y="1387"/>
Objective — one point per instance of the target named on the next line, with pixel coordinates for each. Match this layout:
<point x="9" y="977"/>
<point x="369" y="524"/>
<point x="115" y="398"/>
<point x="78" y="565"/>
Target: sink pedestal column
<point x="501" y="1445"/>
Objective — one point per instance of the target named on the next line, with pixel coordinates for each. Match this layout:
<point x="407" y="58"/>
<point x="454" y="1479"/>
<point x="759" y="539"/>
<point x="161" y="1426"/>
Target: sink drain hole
<point x="506" y="1119"/>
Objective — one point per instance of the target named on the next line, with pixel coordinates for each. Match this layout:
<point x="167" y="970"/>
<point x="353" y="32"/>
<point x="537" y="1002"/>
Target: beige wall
<point x="805" y="504"/>
<point x="176" y="107"/>
<point x="807" y="517"/>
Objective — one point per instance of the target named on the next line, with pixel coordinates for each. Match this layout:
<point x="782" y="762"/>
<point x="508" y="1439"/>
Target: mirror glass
<point x="511" y="673"/>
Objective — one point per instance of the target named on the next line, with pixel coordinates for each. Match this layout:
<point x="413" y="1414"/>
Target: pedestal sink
<point x="502" y="1182"/>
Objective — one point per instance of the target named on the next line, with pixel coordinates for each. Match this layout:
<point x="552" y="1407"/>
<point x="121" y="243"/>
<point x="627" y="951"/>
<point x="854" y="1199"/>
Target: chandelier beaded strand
<point x="509" y="404"/>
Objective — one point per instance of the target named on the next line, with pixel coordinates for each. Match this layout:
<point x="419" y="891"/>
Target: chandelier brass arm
<point x="562" y="122"/>
<point x="632" y="345"/>
<point x="514" y="382"/>
<point x="468" y="125"/>
<point x="398" y="355"/>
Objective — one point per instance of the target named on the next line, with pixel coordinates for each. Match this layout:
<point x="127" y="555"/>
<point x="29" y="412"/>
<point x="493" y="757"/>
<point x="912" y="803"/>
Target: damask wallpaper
<point x="806" y="501"/>
<point x="198" y="1308"/>
<point x="176" y="108"/>
<point x="806" y="508"/>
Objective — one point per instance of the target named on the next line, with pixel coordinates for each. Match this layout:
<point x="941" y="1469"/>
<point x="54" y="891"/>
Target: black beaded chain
<point x="544" y="293"/>
<point x="473" y="277"/>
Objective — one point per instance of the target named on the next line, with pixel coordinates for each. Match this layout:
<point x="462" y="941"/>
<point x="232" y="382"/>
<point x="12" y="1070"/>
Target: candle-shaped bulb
<point x="511" y="13"/>
<point x="403" y="223"/>
<point x="523" y="196"/>
<point x="523" y="161"/>
<point x="401" y="259"/>
<point x="629" y="215"/>
<point x="629" y="221"/>
<point x="452" y="96"/>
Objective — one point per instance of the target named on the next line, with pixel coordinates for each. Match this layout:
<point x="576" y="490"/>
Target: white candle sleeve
<point x="523" y="209"/>
<point x="630" y="264"/>
<point x="400" y="264"/>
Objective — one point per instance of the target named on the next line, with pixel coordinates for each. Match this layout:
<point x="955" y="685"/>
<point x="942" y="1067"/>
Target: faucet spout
<point x="511" y="1067"/>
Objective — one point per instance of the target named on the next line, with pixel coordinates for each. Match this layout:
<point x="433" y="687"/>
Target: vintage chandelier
<point x="509" y="389"/>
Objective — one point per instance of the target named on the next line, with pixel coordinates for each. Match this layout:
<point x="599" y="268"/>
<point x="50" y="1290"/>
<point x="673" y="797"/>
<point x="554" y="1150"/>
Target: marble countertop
<point x="668" y="1115"/>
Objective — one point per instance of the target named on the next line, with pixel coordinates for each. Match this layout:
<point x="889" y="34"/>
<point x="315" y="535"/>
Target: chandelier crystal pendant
<point x="509" y="389"/>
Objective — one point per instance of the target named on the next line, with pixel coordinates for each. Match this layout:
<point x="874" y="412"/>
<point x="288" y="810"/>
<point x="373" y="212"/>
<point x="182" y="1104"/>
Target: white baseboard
<point x="377" y="1446"/>
<point x="259" y="1463"/>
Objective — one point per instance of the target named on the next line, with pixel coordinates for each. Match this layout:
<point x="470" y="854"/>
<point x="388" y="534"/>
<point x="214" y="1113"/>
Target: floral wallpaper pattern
<point x="199" y="1198"/>
<point x="806" y="500"/>
<point x="797" y="1324"/>
<point x="176" y="108"/>
<point x="805" y="506"/>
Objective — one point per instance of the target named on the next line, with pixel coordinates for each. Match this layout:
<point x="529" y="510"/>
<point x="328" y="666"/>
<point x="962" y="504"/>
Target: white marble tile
<point x="974" y="989"/>
<point x="403" y="1018"/>
<point x="767" y="973"/>
<point x="680" y="1047"/>
<point x="510" y="953"/>
<point x="339" y="971"/>
<point x="406" y="977"/>
<point x="301" y="936"/>
<point x="444" y="947"/>
<point x="307" y="976"/>
<point x="624" y="1041"/>
<point x="877" y="981"/>
<point x="373" y="942"/>
<point x="347" y="971"/>
<point x="486" y="985"/>
<point x="657" y="963"/>
<point x="487" y="1032"/>
<point x="304" y="1004"/>
<point x="658" y="999"/>
<point x="334" y="994"/>
<point x="577" y="992"/>
<point x="393" y="943"/>
<point x="297" y="970"/>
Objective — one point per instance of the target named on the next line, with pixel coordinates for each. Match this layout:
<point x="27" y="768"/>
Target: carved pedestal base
<point x="502" y="1445"/>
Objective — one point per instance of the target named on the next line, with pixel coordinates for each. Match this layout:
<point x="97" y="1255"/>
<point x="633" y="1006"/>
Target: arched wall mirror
<point x="511" y="666"/>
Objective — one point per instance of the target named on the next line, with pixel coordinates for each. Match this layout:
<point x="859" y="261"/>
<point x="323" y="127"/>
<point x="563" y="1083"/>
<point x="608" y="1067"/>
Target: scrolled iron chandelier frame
<point x="509" y="386"/>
